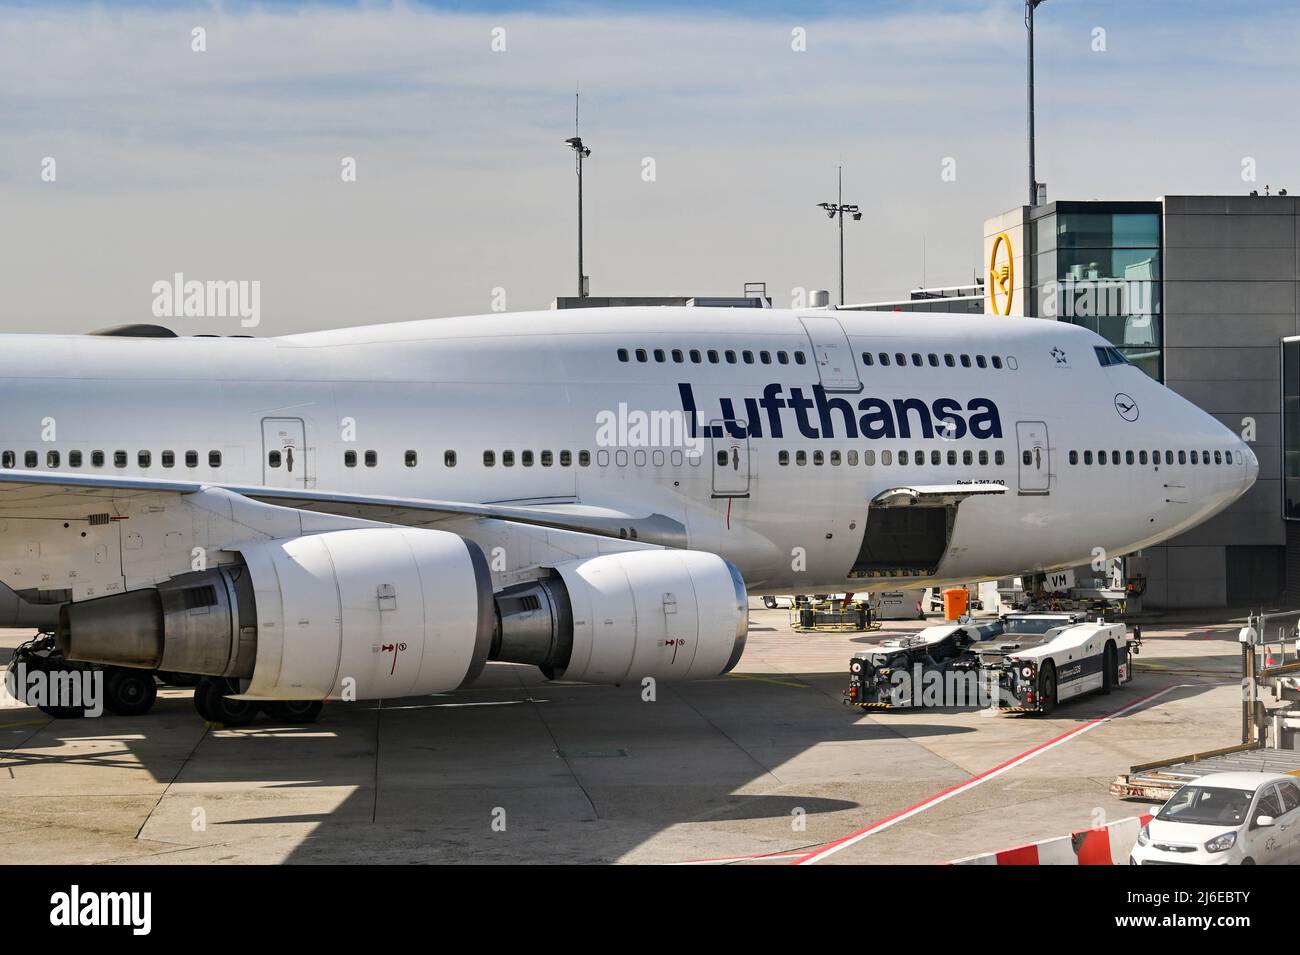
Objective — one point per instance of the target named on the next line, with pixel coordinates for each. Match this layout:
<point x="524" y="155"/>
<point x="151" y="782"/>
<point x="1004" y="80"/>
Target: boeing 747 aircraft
<point x="377" y="512"/>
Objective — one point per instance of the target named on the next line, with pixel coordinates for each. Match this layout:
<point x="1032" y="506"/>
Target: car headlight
<point x="1221" y="843"/>
<point x="1026" y="672"/>
<point x="1144" y="836"/>
<point x="855" y="666"/>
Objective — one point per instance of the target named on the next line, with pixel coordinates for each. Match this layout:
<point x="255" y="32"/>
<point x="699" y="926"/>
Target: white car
<point x="1225" y="819"/>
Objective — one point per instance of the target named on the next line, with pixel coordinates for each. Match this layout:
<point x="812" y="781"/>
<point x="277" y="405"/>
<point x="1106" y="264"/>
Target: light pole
<point x="1030" y="6"/>
<point x="580" y="153"/>
<point x="837" y="209"/>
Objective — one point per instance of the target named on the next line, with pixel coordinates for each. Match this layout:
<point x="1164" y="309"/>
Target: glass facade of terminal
<point x="1291" y="428"/>
<point x="1097" y="264"/>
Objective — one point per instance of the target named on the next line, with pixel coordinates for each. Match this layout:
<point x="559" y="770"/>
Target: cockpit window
<point x="1110" y="356"/>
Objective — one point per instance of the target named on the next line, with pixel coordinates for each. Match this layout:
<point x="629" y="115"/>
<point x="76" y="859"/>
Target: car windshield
<point x="1033" y="624"/>
<point x="1207" y="806"/>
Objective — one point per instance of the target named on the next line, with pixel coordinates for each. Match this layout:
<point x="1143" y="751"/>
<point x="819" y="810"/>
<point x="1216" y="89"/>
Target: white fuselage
<point x="436" y="409"/>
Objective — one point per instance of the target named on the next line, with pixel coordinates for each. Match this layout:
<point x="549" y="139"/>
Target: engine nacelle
<point x="667" y="614"/>
<point x="363" y="614"/>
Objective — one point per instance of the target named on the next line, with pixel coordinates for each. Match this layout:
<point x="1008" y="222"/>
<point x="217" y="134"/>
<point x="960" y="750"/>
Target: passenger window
<point x="902" y="457"/>
<point x="899" y="358"/>
<point x="695" y="356"/>
<point x="273" y="459"/>
<point x="349" y="460"/>
<point x="801" y="458"/>
<point x="713" y="356"/>
<point x="748" y="357"/>
<point x="97" y="459"/>
<point x="835" y="457"/>
<point x="1205" y="457"/>
<point x="852" y="458"/>
<point x="678" y="356"/>
<point x="765" y="357"/>
<point x="967" y="458"/>
<point x="1128" y="457"/>
<point x="997" y="362"/>
<point x="192" y="459"/>
<point x="74" y="459"/>
<point x="818" y="458"/>
<point x="934" y="360"/>
<point x="1142" y="457"/>
<point x="1101" y="457"/>
<point x="1087" y="457"/>
<point x="214" y="459"/>
<point x="1194" y="460"/>
<point x="584" y="459"/>
<point x="935" y="458"/>
<point x="782" y="358"/>
<point x="730" y="356"/>
<point x="722" y="459"/>
<point x="916" y="359"/>
<point x="622" y="354"/>
<point x="783" y="457"/>
<point x="1182" y="457"/>
<point x="526" y="458"/>
<point x="8" y="459"/>
<point x="489" y="459"/>
<point x="566" y="459"/>
<point x="144" y="458"/>
<point x="507" y="459"/>
<point x="999" y="457"/>
<point x="372" y="459"/>
<point x="168" y="459"/>
<point x="981" y="362"/>
<point x="799" y="358"/>
<point x="950" y="361"/>
<point x="1074" y="457"/>
<point x="411" y="459"/>
<point x="660" y="355"/>
<point x="641" y="355"/>
<point x="547" y="459"/>
<point x="1218" y="458"/>
<point x="30" y="459"/>
<point x="886" y="457"/>
<point x="867" y="359"/>
<point x="1027" y="457"/>
<point x="984" y="458"/>
<point x="965" y="361"/>
<point x="919" y="458"/>
<point x="884" y="358"/>
<point x="119" y="459"/>
<point x="51" y="459"/>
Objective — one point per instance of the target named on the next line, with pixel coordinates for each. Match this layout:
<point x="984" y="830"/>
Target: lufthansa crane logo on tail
<point x="1002" y="275"/>
<point x="1126" y="406"/>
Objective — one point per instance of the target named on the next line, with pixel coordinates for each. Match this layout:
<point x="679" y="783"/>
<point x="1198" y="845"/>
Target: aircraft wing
<point x="28" y="494"/>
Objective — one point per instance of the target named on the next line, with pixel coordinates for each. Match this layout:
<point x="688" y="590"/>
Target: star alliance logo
<point x="1059" y="355"/>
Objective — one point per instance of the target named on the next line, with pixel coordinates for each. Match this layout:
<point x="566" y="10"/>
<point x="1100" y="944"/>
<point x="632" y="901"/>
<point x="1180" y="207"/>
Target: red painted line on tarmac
<point x="769" y="855"/>
<point x="858" y="835"/>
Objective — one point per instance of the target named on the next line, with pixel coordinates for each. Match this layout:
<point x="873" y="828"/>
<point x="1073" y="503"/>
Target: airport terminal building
<point x="1203" y="293"/>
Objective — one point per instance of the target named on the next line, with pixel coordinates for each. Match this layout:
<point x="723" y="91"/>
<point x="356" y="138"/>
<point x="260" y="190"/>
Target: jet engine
<point x="667" y="614"/>
<point x="355" y="614"/>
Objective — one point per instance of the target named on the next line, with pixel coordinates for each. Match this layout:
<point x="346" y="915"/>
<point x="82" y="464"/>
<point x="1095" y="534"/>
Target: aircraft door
<point x="836" y="367"/>
<point x="730" y="460"/>
<point x="1035" y="457"/>
<point x="284" y="452"/>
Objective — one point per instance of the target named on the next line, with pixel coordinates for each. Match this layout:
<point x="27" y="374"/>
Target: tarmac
<point x="765" y="765"/>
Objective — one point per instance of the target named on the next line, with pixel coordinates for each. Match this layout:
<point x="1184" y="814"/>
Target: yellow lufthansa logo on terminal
<point x="1002" y="277"/>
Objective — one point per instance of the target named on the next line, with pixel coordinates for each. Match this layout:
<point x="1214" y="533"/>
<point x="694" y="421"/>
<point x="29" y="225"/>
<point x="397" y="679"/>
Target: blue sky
<point x="225" y="164"/>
